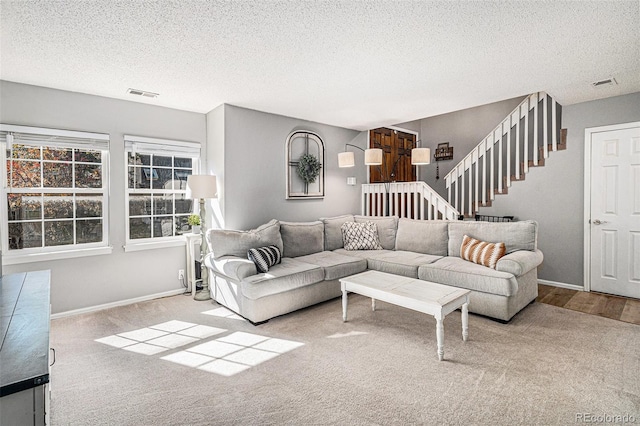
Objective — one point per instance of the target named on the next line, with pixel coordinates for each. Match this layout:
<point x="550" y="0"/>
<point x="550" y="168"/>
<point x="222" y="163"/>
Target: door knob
<point x="599" y="222"/>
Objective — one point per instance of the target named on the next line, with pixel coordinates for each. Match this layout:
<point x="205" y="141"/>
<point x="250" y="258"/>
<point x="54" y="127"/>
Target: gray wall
<point x="553" y="195"/>
<point x="215" y="165"/>
<point x="255" y="170"/>
<point x="96" y="280"/>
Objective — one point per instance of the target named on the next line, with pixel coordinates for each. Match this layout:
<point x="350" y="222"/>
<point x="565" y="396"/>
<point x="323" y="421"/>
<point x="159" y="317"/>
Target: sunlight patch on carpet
<point x="349" y="334"/>
<point x="161" y="337"/>
<point x="223" y="313"/>
<point x="227" y="355"/>
<point x="232" y="354"/>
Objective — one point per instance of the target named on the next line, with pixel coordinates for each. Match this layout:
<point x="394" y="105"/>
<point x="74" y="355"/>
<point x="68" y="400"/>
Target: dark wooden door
<point x="396" y="162"/>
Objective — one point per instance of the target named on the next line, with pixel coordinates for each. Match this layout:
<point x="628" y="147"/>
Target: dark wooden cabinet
<point x="24" y="353"/>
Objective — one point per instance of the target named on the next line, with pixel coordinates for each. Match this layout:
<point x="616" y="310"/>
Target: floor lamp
<point x="375" y="157"/>
<point x="202" y="187"/>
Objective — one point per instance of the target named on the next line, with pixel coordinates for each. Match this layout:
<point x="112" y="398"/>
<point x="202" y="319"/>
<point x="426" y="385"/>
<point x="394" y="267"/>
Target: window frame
<point x="69" y="139"/>
<point x="162" y="148"/>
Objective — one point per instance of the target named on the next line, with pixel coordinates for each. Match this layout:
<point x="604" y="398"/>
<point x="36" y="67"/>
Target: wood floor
<point x="604" y="305"/>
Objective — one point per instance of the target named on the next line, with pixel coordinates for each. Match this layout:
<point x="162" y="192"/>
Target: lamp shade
<point x="373" y="157"/>
<point x="202" y="186"/>
<point x="346" y="159"/>
<point x="420" y="156"/>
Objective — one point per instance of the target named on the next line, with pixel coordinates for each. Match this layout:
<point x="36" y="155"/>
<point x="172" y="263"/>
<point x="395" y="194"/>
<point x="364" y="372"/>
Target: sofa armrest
<point x="233" y="267"/>
<point x="520" y="262"/>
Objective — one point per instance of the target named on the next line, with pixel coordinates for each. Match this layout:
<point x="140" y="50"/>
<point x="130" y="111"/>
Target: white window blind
<point x="142" y="144"/>
<point x="53" y="138"/>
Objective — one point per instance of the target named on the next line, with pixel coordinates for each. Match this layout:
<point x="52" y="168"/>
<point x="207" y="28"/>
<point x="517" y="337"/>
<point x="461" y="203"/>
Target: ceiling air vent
<point x="146" y="94"/>
<point x="607" y="82"/>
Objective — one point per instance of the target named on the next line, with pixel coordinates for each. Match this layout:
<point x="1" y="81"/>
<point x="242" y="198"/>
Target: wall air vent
<point x="146" y="94"/>
<point x="607" y="82"/>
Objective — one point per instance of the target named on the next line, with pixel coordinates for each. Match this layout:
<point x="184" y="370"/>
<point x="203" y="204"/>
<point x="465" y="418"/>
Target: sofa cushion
<point x="333" y="231"/>
<point x="481" y="252"/>
<point x="225" y="242"/>
<point x="302" y="238"/>
<point x="514" y="235"/>
<point x="423" y="236"/>
<point x="288" y="275"/>
<point x="362" y="254"/>
<point x="233" y="267"/>
<point x="457" y="272"/>
<point x="336" y="265"/>
<point x="264" y="257"/>
<point x="404" y="263"/>
<point x="387" y="227"/>
<point x="360" y="236"/>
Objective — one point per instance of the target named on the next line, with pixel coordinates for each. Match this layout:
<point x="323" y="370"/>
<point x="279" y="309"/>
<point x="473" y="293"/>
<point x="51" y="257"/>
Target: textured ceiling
<point x="356" y="64"/>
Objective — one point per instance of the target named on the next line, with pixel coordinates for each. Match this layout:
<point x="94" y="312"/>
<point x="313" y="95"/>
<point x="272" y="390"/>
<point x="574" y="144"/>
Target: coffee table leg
<point x="373" y="304"/>
<point x="465" y="321"/>
<point x="344" y="305"/>
<point x="440" y="338"/>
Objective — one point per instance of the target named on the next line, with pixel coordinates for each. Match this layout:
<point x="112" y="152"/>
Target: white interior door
<point x="615" y="210"/>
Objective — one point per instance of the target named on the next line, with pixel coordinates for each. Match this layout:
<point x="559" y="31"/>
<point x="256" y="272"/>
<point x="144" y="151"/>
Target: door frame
<point x="588" y="133"/>
<point x="400" y="129"/>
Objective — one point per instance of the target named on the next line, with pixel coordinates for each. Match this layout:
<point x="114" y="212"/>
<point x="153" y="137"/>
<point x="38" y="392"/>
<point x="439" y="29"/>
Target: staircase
<point x="522" y="141"/>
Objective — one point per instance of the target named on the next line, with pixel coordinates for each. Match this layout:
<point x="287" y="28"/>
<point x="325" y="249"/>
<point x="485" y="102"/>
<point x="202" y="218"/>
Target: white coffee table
<point x="422" y="296"/>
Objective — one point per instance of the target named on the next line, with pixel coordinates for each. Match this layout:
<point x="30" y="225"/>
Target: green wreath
<point x="309" y="168"/>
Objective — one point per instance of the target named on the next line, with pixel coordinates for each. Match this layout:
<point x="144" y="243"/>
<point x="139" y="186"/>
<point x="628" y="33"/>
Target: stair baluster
<point x="534" y="124"/>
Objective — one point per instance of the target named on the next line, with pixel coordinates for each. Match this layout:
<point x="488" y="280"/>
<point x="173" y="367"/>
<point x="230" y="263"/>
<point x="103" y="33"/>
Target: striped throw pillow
<point x="265" y="257"/>
<point x="481" y="252"/>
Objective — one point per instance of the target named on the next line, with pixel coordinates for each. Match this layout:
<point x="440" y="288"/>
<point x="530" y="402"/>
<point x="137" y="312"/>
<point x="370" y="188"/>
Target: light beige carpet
<point x="547" y="366"/>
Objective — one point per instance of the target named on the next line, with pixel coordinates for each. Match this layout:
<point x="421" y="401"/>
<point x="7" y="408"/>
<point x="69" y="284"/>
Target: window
<point x="157" y="203"/>
<point x="55" y="187"/>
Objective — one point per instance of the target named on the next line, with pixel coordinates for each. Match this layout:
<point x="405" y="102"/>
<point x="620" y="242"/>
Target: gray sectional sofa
<point x="314" y="259"/>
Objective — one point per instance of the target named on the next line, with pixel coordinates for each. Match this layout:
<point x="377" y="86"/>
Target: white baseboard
<point x="118" y="303"/>
<point x="562" y="285"/>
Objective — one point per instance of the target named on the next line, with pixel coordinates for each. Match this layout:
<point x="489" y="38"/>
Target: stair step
<point x="540" y="162"/>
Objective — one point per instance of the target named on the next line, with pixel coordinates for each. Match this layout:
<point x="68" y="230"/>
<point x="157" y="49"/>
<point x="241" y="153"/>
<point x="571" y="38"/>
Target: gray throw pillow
<point x="515" y="235"/>
<point x="225" y="242"/>
<point x="423" y="236"/>
<point x="302" y="238"/>
<point x="387" y="227"/>
<point x="333" y="231"/>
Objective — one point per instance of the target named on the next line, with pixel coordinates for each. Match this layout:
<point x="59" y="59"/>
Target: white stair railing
<point x="504" y="155"/>
<point x="415" y="200"/>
